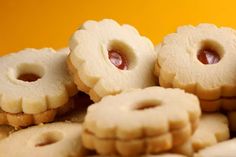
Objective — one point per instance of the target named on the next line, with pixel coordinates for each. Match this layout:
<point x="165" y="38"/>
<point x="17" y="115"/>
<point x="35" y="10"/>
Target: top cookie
<point x="107" y="58"/>
<point x="201" y="60"/>
<point x="33" y="81"/>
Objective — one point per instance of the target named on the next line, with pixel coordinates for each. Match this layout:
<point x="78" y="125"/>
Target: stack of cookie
<point x="128" y="114"/>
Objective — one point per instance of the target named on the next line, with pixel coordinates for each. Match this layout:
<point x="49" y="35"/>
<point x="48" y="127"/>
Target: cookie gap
<point x="29" y="72"/>
<point x="48" y="138"/>
<point x="210" y="52"/>
<point x="146" y="105"/>
<point x="121" y="55"/>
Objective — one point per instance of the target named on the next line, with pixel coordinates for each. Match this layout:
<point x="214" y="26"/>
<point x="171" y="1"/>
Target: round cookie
<point x="151" y="120"/>
<point x="55" y="139"/>
<point x="107" y="58"/>
<point x="200" y="60"/>
<point x="212" y="129"/>
<point x="223" y="149"/>
<point x="35" y="84"/>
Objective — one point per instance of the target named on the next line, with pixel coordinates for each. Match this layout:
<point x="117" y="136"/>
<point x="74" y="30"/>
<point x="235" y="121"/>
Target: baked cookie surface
<point x="126" y="123"/>
<point x="200" y="60"/>
<point x="56" y="139"/>
<point x="107" y="58"/>
<point x="34" y="83"/>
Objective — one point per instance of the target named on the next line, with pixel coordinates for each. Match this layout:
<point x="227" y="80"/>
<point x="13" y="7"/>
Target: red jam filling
<point x="28" y="77"/>
<point x="117" y="59"/>
<point x="208" y="56"/>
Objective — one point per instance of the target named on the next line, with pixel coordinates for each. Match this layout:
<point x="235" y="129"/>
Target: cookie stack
<point x="129" y="114"/>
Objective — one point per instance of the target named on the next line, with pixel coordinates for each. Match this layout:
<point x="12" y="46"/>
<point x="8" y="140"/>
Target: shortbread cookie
<point x="19" y="120"/>
<point x="213" y="128"/>
<point x="151" y="120"/>
<point x="200" y="60"/>
<point x="5" y="130"/>
<point x="34" y="82"/>
<point x="49" y="140"/>
<point x="81" y="101"/>
<point x="223" y="149"/>
<point x="107" y="58"/>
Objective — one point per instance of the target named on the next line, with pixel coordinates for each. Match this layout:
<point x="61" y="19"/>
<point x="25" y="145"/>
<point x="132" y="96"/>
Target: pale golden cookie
<point x="49" y="140"/>
<point x="212" y="129"/>
<point x="223" y="149"/>
<point x="151" y="120"/>
<point x="200" y="60"/>
<point x="107" y="58"/>
<point x="34" y="82"/>
<point x="20" y="120"/>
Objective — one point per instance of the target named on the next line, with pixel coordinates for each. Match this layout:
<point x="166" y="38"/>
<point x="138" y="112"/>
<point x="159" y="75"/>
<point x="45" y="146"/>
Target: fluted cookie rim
<point x="185" y="41"/>
<point x="45" y="98"/>
<point x="94" y="83"/>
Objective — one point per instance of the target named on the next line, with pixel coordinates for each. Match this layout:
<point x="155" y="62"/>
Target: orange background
<point x="50" y="23"/>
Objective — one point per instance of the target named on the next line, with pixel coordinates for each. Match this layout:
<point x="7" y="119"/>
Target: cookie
<point x="81" y="103"/>
<point x="150" y="120"/>
<point x="200" y="60"/>
<point x="5" y="130"/>
<point x="107" y="58"/>
<point x="34" y="83"/>
<point x="212" y="129"/>
<point x="223" y="149"/>
<point x="55" y="139"/>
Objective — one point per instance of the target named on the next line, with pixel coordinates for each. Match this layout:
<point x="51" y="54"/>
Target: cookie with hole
<point x="212" y="129"/>
<point x="223" y="149"/>
<point x="107" y="58"/>
<point x="141" y="121"/>
<point x="201" y="60"/>
<point x="56" y="139"/>
<point x="35" y="86"/>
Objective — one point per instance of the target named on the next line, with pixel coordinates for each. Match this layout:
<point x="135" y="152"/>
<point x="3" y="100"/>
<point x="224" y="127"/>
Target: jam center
<point x="28" y="77"/>
<point x="208" y="56"/>
<point x="117" y="59"/>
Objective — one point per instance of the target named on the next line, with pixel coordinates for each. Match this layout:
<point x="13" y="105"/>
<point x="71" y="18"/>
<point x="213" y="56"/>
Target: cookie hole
<point x="210" y="52"/>
<point x="121" y="55"/>
<point x="29" y="72"/>
<point x="148" y="104"/>
<point x="28" y="77"/>
<point x="48" y="138"/>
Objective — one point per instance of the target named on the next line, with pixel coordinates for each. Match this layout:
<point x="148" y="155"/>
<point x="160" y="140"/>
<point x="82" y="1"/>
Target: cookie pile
<point x="112" y="93"/>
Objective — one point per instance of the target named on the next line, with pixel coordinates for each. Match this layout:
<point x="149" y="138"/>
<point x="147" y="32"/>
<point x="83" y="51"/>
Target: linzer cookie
<point x="138" y="121"/>
<point x="107" y="58"/>
<point x="56" y="139"/>
<point x="213" y="128"/>
<point x="200" y="60"/>
<point x="35" y="87"/>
